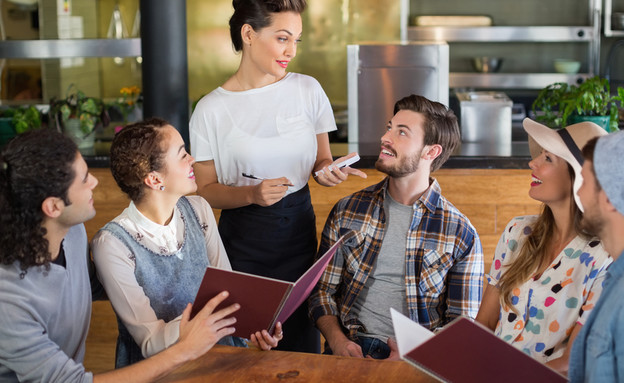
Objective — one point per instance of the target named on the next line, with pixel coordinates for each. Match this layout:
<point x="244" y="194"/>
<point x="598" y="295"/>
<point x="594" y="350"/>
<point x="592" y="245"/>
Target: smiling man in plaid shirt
<point x="405" y="246"/>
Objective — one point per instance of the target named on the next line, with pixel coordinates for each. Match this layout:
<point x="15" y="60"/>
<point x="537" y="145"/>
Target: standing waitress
<point x="270" y="125"/>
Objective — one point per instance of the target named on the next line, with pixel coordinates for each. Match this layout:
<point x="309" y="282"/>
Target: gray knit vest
<point x="169" y="282"/>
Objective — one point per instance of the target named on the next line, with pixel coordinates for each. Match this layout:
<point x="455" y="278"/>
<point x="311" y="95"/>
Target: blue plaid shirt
<point x="444" y="259"/>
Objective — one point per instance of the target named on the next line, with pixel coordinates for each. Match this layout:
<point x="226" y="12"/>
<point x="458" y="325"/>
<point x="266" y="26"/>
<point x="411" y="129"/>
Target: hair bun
<point x="236" y="4"/>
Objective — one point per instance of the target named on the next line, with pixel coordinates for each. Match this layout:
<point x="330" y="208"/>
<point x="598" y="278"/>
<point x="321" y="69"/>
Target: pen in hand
<point x="260" y="178"/>
<point x="252" y="176"/>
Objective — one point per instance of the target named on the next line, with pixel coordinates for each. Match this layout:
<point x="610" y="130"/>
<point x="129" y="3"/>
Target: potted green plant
<point x="25" y="119"/>
<point x="17" y="120"/>
<point x="561" y="104"/>
<point x="129" y="103"/>
<point x="78" y="115"/>
<point x="125" y="109"/>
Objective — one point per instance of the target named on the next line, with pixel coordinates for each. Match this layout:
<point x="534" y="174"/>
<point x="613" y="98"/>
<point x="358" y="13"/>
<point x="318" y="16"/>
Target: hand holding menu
<point x="466" y="351"/>
<point x="263" y="301"/>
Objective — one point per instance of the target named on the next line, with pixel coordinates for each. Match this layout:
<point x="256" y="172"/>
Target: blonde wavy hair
<point x="533" y="254"/>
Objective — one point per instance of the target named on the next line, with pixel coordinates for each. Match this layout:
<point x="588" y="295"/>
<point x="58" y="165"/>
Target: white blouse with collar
<point x="115" y="268"/>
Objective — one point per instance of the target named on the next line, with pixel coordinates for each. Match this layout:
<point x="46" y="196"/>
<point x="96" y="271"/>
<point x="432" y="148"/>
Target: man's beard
<point x="592" y="225"/>
<point x="404" y="167"/>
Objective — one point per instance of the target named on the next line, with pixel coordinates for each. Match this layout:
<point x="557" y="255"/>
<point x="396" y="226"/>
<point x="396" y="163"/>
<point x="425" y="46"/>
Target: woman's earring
<point x="162" y="188"/>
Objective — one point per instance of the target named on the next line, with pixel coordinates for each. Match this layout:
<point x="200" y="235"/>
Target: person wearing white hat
<point x="547" y="270"/>
<point x="598" y="352"/>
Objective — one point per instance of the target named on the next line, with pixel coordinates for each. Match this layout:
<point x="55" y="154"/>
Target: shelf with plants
<point x="560" y="104"/>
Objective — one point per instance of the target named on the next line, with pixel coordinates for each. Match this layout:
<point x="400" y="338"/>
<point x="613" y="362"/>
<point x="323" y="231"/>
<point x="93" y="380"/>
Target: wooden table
<point x="233" y="364"/>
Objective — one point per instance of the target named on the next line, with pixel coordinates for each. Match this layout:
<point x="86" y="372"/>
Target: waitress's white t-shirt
<point x="269" y="132"/>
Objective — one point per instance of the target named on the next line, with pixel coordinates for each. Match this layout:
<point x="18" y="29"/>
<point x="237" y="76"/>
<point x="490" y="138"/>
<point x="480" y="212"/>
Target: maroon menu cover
<point x="465" y="351"/>
<point x="263" y="301"/>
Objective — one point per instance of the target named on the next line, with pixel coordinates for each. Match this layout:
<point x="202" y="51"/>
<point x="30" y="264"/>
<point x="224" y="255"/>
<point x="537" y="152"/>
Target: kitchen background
<point x="329" y="26"/>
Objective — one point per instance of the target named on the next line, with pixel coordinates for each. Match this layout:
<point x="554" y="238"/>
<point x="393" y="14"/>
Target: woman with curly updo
<point x="151" y="258"/>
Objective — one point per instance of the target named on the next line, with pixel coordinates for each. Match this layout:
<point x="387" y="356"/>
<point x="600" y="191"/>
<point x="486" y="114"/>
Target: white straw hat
<point x="565" y="143"/>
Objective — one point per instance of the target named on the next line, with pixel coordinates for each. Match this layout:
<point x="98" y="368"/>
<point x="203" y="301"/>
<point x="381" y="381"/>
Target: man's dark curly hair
<point x="135" y="152"/>
<point x="33" y="166"/>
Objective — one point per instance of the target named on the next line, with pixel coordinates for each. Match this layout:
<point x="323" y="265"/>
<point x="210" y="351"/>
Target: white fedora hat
<point x="566" y="143"/>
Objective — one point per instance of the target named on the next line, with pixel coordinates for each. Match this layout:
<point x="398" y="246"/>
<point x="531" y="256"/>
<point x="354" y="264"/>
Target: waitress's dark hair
<point x="135" y="152"/>
<point x="33" y="166"/>
<point x="257" y="13"/>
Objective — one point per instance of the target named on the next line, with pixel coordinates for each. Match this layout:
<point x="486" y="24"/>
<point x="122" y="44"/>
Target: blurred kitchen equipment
<point x="117" y="30"/>
<point x="136" y="26"/>
<point x="617" y="21"/>
<point x="566" y="66"/>
<point x="485" y="117"/>
<point x="487" y="64"/>
<point x="136" y="32"/>
<point x="378" y="75"/>
<point x="452" y="21"/>
<point x="26" y="5"/>
<point x="342" y="123"/>
<point x="613" y="64"/>
<point x="2" y="38"/>
<point x="518" y="113"/>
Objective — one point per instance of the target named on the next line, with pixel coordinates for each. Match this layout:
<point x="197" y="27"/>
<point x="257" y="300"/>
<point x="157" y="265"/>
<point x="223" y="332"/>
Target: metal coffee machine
<point x="485" y="118"/>
<point x="378" y="75"/>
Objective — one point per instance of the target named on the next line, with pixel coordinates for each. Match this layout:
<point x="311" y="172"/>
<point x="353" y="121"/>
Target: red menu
<point x="466" y="351"/>
<point x="263" y="301"/>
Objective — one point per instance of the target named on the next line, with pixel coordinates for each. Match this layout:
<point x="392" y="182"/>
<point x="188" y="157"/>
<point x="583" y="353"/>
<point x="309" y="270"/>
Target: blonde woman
<point x="547" y="271"/>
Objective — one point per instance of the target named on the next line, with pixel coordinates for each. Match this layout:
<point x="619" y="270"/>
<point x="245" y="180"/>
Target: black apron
<point x="277" y="241"/>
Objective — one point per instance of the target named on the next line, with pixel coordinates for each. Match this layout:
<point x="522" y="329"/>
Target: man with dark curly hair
<point x="46" y="193"/>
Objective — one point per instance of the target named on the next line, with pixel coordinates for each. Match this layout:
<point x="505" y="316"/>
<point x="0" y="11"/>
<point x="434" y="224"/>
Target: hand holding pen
<point x="287" y="183"/>
<point x="269" y="191"/>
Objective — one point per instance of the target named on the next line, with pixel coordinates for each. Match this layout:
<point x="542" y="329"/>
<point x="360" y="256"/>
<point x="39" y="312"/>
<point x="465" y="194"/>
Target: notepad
<point x="263" y="301"/>
<point x="466" y="351"/>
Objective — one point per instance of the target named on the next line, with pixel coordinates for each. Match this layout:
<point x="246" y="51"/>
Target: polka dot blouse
<point x="548" y="306"/>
